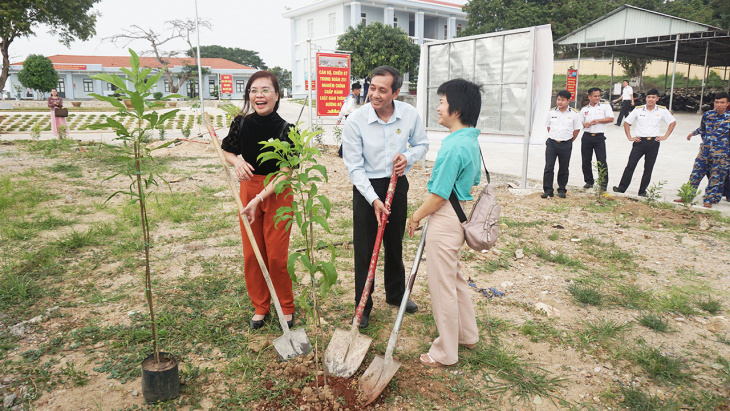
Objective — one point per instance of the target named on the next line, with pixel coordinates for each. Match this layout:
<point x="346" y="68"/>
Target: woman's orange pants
<point x="273" y="242"/>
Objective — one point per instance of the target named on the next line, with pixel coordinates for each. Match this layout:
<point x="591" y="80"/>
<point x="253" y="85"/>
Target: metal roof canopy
<point x="633" y="31"/>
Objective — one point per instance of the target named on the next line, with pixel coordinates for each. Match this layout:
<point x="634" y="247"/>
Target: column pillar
<point x="388" y="15"/>
<point x="451" y="29"/>
<point x="419" y="27"/>
<point x="355" y="11"/>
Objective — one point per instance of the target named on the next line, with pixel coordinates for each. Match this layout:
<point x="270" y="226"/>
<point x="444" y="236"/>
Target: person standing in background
<point x="627" y="101"/>
<point x="55" y="102"/>
<point x="563" y="124"/>
<point x="594" y="117"/>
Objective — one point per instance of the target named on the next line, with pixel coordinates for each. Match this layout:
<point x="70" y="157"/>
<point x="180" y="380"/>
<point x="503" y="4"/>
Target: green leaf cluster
<point x="687" y="194"/>
<point x="298" y="176"/>
<point x="38" y="73"/>
<point x="237" y="55"/>
<point x="377" y="45"/>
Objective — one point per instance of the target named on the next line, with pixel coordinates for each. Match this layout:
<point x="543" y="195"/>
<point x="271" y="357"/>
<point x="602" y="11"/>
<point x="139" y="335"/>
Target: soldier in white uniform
<point x="563" y="124"/>
<point x="627" y="100"/>
<point x="594" y="118"/>
<point x="648" y="120"/>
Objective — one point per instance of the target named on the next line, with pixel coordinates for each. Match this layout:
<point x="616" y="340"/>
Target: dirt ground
<point x="640" y="257"/>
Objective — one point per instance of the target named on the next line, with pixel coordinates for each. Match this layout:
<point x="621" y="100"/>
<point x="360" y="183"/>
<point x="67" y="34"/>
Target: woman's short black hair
<point x="465" y="97"/>
<point x="564" y="94"/>
<point x="247" y="108"/>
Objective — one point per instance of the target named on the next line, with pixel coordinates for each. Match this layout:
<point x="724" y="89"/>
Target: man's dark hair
<point x="653" y="92"/>
<point x="592" y="89"/>
<point x="626" y="81"/>
<point x="465" y="97"/>
<point x="356" y="86"/>
<point x="564" y="94"/>
<point x="722" y="94"/>
<point x="389" y="71"/>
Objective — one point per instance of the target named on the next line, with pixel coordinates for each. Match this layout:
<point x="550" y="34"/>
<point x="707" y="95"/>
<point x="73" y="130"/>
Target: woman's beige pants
<point x="450" y="297"/>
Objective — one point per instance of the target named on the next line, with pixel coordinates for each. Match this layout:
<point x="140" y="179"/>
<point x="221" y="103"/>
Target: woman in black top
<point x="257" y="122"/>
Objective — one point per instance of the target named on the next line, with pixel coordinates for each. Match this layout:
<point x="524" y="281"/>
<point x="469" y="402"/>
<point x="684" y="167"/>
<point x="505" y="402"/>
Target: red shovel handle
<point x="376" y="252"/>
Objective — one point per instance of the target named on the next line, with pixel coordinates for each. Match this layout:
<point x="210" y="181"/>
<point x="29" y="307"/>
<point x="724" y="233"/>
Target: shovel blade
<point x="377" y="377"/>
<point x="344" y="353"/>
<point x="292" y="344"/>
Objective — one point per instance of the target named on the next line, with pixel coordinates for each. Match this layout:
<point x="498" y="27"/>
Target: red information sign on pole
<point x="333" y="82"/>
<point x="226" y="83"/>
<point x="572" y="80"/>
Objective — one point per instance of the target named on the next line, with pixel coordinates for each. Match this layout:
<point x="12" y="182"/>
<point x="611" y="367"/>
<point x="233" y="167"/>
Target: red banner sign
<point x="226" y="83"/>
<point x="69" y="66"/>
<point x="307" y="84"/>
<point x="333" y="81"/>
<point x="572" y="81"/>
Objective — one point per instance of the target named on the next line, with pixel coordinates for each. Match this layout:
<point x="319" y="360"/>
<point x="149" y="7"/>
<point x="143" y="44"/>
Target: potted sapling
<point x="160" y="381"/>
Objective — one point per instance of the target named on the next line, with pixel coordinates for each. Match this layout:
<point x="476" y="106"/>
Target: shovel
<point x="382" y="370"/>
<point x="292" y="343"/>
<point x="347" y="349"/>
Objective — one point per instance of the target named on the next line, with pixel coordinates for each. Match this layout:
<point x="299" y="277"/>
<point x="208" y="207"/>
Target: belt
<point x="595" y="134"/>
<point x="561" y="141"/>
<point x="647" y="138"/>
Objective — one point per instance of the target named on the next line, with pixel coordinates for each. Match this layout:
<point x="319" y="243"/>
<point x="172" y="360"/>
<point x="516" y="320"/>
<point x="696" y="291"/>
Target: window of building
<point x="333" y="22"/>
<point x="61" y="87"/>
<point x="395" y="22"/>
<point x="167" y="86"/>
<point x="310" y="28"/>
<point x="110" y="87"/>
<point x="240" y="86"/>
<point x="211" y="85"/>
<point x="364" y="18"/>
<point x="446" y="31"/>
<point x="191" y="85"/>
<point x="458" y="29"/>
<point x="88" y="85"/>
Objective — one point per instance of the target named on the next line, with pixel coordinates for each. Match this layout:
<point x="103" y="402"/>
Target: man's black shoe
<point x="561" y="194"/>
<point x="642" y="195"/>
<point x="364" y="321"/>
<point x="546" y="195"/>
<point x="616" y="189"/>
<point x="411" y="307"/>
<point x="586" y="185"/>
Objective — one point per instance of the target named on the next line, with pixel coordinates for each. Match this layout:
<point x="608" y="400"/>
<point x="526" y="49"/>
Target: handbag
<point x="481" y="229"/>
<point x="60" y="112"/>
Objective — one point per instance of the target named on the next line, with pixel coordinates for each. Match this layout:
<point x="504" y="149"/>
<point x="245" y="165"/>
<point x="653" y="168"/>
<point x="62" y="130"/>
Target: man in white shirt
<point x="348" y="106"/>
<point x="648" y="120"/>
<point x="627" y="101"/>
<point x="383" y="136"/>
<point x="594" y="118"/>
<point x="563" y="125"/>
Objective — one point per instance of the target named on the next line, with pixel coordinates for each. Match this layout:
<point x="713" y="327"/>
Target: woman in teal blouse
<point x="457" y="169"/>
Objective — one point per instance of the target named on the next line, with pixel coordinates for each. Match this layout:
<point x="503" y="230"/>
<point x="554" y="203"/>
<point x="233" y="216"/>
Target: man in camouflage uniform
<point x="713" y="158"/>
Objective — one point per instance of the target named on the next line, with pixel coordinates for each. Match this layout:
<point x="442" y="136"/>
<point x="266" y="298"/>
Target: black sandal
<point x="256" y="324"/>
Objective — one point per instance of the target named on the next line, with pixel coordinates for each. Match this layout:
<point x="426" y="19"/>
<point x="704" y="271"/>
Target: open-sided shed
<point x="633" y="31"/>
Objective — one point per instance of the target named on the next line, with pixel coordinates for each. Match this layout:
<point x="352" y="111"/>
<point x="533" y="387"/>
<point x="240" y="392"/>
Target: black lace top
<point x="246" y="134"/>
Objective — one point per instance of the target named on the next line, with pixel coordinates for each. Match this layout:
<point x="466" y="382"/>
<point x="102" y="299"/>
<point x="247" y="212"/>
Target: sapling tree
<point x="136" y="86"/>
<point x="308" y="208"/>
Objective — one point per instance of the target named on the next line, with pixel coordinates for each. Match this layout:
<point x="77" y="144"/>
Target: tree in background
<point x="283" y="76"/>
<point x="38" y="74"/>
<point x="241" y="56"/>
<point x="68" y="20"/>
<point x="179" y="30"/>
<point x="633" y="66"/>
<point x="376" y="45"/>
<point x="190" y="71"/>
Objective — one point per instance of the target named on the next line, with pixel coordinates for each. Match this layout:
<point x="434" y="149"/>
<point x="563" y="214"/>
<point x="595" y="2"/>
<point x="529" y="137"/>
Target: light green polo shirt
<point x="458" y="166"/>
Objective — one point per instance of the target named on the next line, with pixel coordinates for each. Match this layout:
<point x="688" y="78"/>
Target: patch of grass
<point x="586" y="294"/>
<point x="710" y="305"/>
<point x="557" y="257"/>
<point x="71" y="170"/>
<point x="557" y="208"/>
<point x="653" y="322"/>
<point x="678" y="302"/>
<point x="634" y="398"/>
<point x="555" y="236"/>
<point x="521" y="224"/>
<point x="632" y="296"/>
<point x="601" y="206"/>
<point x="601" y="331"/>
<point x="661" y="367"/>
<point x="541" y="331"/>
<point x="490" y="266"/>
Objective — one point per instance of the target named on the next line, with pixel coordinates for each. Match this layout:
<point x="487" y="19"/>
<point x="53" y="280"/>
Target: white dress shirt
<point x="562" y="123"/>
<point x="648" y="122"/>
<point x="596" y="112"/>
<point x="369" y="144"/>
<point x="627" y="93"/>
<point x="348" y="106"/>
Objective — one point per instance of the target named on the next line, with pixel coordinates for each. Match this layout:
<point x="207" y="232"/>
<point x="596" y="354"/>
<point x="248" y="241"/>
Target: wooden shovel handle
<point x="246" y="225"/>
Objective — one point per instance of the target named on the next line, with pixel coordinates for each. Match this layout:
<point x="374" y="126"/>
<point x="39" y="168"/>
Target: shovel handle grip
<point x="376" y="252"/>
<point x="246" y="225"/>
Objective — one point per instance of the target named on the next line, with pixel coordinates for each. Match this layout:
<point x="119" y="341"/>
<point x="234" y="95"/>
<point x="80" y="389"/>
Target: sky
<point x="248" y="24"/>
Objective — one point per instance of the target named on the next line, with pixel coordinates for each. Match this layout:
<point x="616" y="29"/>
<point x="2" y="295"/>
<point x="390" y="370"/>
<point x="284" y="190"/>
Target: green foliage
<point x="653" y="322"/>
<point x="654" y="192"/>
<point x="660" y="366"/>
<point x="135" y="148"/>
<point x="376" y="45"/>
<point x="710" y="305"/>
<point x="586" y="294"/>
<point x="35" y="131"/>
<point x="38" y="73"/>
<point x="633" y="66"/>
<point x="283" y="76"/>
<point x="241" y="56"/>
<point x="601" y="178"/>
<point x="157" y="95"/>
<point x="687" y="194"/>
<point x="67" y="20"/>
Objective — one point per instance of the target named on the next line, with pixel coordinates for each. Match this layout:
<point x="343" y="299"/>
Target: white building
<point x="75" y="82"/>
<point x="323" y="21"/>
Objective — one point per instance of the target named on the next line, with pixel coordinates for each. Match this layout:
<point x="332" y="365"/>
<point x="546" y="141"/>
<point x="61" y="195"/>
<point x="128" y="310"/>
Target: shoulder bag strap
<point x="455" y="201"/>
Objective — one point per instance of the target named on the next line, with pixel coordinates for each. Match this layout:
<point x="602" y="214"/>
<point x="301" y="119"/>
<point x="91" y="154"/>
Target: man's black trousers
<point x="364" y="231"/>
<point x="559" y="150"/>
<point x="625" y="110"/>
<point x="588" y="144"/>
<point x="645" y="148"/>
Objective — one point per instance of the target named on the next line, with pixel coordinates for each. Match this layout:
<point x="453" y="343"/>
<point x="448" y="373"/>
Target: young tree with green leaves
<point x="68" y="20"/>
<point x="377" y="45"/>
<point x="283" y="76"/>
<point x="38" y="74"/>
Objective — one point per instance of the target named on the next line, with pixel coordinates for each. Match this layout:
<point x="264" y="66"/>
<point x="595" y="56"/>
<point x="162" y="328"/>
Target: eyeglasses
<point x="264" y="91"/>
